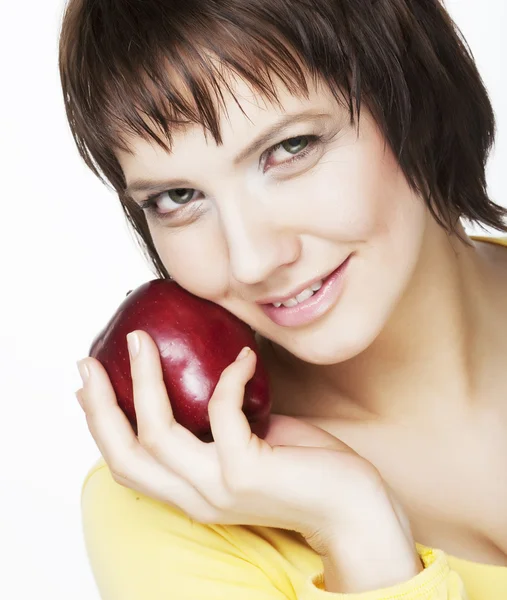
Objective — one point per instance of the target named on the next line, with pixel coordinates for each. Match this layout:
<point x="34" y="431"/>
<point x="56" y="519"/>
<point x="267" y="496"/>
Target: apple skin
<point x="197" y="339"/>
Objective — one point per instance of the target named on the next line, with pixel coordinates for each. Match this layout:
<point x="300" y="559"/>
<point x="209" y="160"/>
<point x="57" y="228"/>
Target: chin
<point x="345" y="332"/>
<point x="332" y="351"/>
<point x="334" y="341"/>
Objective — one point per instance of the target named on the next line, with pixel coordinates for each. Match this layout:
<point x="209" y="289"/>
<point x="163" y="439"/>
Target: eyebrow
<point x="275" y="130"/>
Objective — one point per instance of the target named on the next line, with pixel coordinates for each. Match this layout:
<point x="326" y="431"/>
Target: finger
<point x="229" y="425"/>
<point x="130" y="464"/>
<point x="106" y="421"/>
<point x="158" y="432"/>
<point x="157" y="482"/>
<point x="153" y="409"/>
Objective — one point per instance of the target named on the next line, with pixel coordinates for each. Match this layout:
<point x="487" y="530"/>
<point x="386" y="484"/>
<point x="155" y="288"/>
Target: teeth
<point x="304" y="295"/>
<point x="291" y="302"/>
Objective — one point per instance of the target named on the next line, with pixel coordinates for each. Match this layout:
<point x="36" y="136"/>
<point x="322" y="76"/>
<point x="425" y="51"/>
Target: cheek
<point x="354" y="195"/>
<point x="374" y="204"/>
<point x="399" y="215"/>
<point x="390" y="220"/>
<point x="188" y="253"/>
<point x="387" y="256"/>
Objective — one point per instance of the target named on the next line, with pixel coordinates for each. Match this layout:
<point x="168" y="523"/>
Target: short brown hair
<point x="406" y="59"/>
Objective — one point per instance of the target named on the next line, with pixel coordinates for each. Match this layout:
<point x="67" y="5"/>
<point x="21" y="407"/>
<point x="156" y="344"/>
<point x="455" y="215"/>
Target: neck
<point x="434" y="346"/>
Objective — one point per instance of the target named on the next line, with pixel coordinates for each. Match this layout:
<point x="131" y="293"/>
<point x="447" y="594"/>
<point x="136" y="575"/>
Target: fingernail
<point x="244" y="353"/>
<point x="133" y="344"/>
<point x="83" y="369"/>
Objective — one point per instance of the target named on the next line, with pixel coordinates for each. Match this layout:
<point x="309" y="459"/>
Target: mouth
<point x="301" y="293"/>
<point x="311" y="302"/>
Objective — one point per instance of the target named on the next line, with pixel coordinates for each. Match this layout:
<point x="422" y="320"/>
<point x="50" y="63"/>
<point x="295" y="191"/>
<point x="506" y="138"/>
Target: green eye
<point x="180" y="195"/>
<point x="295" y="145"/>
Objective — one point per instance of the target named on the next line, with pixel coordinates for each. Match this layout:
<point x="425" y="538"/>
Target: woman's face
<point x="237" y="231"/>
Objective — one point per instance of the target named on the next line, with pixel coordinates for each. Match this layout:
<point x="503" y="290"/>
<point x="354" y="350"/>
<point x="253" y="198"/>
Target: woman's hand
<point x="299" y="477"/>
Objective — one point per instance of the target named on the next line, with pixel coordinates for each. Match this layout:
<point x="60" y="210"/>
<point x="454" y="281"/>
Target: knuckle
<point x="151" y="442"/>
<point x="227" y="376"/>
<point x="225" y="386"/>
<point x="117" y="478"/>
<point x="120" y="466"/>
<point x="213" y="401"/>
<point x="118" y="471"/>
<point x="218" y="402"/>
<point x="215" y="408"/>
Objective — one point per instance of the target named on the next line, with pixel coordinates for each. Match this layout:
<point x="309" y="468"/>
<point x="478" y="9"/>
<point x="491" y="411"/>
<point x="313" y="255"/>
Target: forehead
<point x="244" y="114"/>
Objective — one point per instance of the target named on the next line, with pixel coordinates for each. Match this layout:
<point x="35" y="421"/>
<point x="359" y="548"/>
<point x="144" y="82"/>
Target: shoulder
<point x="138" y="545"/>
<point x="105" y="503"/>
<point x="492" y="246"/>
<point x="141" y="548"/>
<point x="493" y="254"/>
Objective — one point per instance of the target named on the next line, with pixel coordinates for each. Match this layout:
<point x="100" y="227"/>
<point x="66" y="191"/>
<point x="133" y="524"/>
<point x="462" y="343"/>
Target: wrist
<point x="378" y="553"/>
<point x="357" y="567"/>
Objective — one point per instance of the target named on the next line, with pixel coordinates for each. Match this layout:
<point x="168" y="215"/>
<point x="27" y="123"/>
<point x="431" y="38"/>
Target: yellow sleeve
<point x="436" y="582"/>
<point x="141" y="549"/>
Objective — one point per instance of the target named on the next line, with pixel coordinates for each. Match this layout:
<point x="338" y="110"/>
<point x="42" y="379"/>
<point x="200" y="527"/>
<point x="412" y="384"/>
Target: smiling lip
<point x="294" y="293"/>
<point x="314" y="307"/>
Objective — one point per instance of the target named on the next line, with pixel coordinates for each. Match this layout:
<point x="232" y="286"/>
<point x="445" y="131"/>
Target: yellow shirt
<point x="142" y="549"/>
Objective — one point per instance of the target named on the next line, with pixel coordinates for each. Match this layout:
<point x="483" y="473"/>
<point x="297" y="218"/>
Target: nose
<point x="257" y="245"/>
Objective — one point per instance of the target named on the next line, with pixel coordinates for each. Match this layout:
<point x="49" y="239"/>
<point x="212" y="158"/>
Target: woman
<point x="348" y="145"/>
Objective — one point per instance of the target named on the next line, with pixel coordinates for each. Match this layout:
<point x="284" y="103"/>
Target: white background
<point x="67" y="260"/>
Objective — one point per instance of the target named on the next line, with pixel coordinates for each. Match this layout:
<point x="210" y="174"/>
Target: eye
<point x="178" y="201"/>
<point x="163" y="204"/>
<point x="179" y="195"/>
<point x="294" y="145"/>
<point x="299" y="147"/>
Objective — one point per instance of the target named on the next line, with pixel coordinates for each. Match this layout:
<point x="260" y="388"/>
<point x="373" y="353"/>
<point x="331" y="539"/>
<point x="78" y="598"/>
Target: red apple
<point x="197" y="339"/>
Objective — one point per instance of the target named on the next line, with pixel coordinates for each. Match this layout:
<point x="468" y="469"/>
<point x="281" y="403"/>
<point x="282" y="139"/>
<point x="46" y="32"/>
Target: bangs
<point x="163" y="73"/>
<point x="145" y="68"/>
